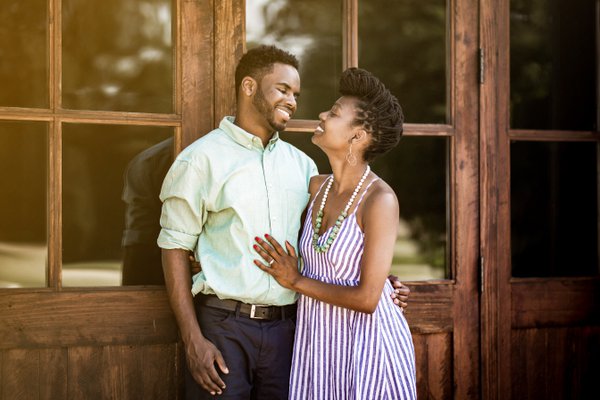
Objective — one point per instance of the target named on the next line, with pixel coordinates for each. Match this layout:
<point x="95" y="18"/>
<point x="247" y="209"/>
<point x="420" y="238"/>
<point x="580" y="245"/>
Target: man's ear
<point x="249" y="86"/>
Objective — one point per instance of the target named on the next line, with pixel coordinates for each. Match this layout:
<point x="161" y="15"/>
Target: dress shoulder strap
<point x="365" y="192"/>
<point x="319" y="191"/>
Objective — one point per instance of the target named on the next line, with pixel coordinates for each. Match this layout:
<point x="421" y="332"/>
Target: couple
<point x="236" y="198"/>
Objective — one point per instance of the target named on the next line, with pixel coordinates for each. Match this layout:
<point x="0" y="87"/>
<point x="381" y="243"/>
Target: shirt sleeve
<point x="313" y="170"/>
<point x="183" y="213"/>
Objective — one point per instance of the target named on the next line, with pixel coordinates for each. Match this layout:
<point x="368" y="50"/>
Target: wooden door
<point x="539" y="202"/>
<point x="84" y="89"/>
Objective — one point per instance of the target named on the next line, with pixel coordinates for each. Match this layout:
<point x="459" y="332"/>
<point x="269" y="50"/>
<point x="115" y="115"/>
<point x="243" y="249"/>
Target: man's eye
<point x="282" y="91"/>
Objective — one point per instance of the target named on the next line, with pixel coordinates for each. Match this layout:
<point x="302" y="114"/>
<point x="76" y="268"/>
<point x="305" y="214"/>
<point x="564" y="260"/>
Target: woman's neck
<point x="346" y="176"/>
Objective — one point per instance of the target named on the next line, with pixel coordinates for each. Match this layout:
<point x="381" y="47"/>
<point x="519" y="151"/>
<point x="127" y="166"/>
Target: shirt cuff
<point x="170" y="239"/>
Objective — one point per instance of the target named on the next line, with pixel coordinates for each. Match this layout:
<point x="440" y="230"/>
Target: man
<point x="236" y="183"/>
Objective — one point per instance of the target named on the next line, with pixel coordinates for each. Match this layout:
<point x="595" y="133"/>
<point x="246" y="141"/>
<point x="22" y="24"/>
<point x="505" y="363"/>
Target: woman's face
<point x="335" y="131"/>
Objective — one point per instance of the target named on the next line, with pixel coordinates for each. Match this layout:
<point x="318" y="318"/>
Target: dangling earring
<point x="351" y="158"/>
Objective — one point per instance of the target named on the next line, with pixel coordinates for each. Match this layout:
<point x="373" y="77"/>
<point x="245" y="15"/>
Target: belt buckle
<point x="253" y="311"/>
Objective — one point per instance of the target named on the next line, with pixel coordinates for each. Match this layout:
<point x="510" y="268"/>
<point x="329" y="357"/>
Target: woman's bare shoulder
<point x="315" y="183"/>
<point x="381" y="197"/>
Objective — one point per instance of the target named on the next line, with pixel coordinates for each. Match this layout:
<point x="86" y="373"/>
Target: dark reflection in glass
<point x="23" y="173"/>
<point x="553" y="61"/>
<point x="118" y="55"/>
<point x="554" y="209"/>
<point x="404" y="44"/>
<point x="416" y="170"/>
<point x="310" y="29"/>
<point x="111" y="182"/>
<point x="23" y="54"/>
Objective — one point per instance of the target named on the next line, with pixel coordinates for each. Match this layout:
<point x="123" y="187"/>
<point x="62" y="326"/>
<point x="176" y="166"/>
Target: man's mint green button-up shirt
<point x="221" y="192"/>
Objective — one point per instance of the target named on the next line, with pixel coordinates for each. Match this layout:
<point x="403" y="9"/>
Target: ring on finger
<point x="272" y="261"/>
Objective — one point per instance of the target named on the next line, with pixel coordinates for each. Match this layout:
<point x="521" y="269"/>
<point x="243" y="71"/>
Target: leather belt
<point x="253" y="311"/>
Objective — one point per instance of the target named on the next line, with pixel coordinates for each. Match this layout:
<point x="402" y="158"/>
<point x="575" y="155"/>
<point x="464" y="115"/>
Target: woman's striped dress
<point x="344" y="354"/>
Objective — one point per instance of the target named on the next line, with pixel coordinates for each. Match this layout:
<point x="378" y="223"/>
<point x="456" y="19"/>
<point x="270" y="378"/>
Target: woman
<point x="351" y="342"/>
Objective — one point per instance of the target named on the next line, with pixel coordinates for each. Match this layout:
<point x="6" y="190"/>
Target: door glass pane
<point x="553" y="64"/>
<point x="118" y="55"/>
<point x="416" y="170"/>
<point x="23" y="54"/>
<point x="554" y="209"/>
<point x="112" y="177"/>
<point x="404" y="44"/>
<point x="24" y="175"/>
<point x="310" y="29"/>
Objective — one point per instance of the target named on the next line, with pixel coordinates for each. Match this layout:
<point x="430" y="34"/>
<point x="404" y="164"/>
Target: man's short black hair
<point x="259" y="61"/>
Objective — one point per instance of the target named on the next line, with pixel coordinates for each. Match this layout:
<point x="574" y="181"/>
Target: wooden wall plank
<point x="20" y="374"/>
<point x="84" y="376"/>
<point x="229" y="47"/>
<point x="149" y="372"/>
<point x="557" y="358"/>
<point x="197" y="107"/>
<point x="53" y="366"/>
<point x="434" y="362"/>
<point x="440" y="377"/>
<point x="420" y="343"/>
<point x="90" y="317"/>
<point x="555" y="363"/>
<point x="583" y="348"/>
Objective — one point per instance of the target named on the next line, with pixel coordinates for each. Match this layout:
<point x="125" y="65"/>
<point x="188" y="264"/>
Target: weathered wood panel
<point x="53" y="373"/>
<point x="430" y="307"/>
<point x="49" y="319"/>
<point x="20" y="368"/>
<point x="88" y="372"/>
<point x="555" y="363"/>
<point x="555" y="301"/>
<point x="433" y="354"/>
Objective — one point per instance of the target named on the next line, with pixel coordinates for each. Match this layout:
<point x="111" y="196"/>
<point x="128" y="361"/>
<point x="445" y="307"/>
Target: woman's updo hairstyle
<point x="379" y="111"/>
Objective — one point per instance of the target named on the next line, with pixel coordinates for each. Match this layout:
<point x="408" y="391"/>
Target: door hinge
<point x="481" y="274"/>
<point x="481" y="55"/>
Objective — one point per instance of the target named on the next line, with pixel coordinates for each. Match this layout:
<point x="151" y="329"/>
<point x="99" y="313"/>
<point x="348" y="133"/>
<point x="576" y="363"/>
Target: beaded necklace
<point x="338" y="223"/>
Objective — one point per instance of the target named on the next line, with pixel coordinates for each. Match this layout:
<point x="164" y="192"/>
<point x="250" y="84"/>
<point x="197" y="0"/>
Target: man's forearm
<point x="178" y="283"/>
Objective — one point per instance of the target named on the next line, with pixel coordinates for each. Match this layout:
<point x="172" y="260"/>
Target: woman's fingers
<point x="264" y="254"/>
<point x="280" y="250"/>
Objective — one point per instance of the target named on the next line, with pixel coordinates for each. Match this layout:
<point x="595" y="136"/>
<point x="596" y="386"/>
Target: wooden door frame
<point x="495" y="309"/>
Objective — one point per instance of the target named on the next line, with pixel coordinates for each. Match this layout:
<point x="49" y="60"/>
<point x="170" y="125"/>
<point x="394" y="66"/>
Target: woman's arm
<point x="379" y="221"/>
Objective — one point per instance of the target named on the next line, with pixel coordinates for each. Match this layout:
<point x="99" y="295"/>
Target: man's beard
<point x="268" y="112"/>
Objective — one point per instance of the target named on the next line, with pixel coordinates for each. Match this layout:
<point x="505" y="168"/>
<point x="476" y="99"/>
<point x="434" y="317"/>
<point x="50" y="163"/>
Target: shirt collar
<point x="244" y="138"/>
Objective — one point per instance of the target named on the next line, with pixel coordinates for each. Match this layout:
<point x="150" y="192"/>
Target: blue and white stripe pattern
<point x="344" y="354"/>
